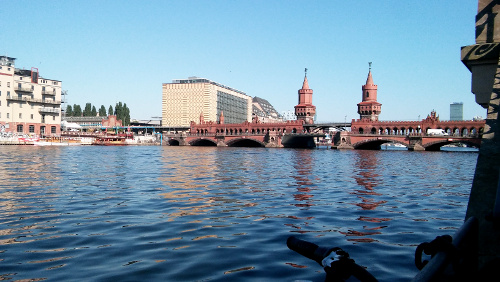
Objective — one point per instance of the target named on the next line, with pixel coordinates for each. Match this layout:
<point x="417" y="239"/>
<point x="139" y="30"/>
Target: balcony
<point x="15" y="98"/>
<point x="49" y="110"/>
<point x="49" y="92"/>
<point x="21" y="88"/>
<point x="44" y="101"/>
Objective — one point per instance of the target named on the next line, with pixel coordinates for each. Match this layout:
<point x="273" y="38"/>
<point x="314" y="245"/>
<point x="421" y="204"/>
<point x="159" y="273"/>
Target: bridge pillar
<point x="221" y="141"/>
<point x="416" y="147"/>
<point x="272" y="140"/>
<point x="415" y="143"/>
<point x="342" y="140"/>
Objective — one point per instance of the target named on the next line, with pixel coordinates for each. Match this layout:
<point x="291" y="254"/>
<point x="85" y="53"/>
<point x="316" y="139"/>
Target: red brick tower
<point x="369" y="108"/>
<point x="305" y="110"/>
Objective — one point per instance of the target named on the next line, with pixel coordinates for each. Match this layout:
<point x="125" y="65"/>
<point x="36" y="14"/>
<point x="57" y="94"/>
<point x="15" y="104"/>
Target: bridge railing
<point x="186" y="134"/>
<point x="215" y="134"/>
<point x="472" y="135"/>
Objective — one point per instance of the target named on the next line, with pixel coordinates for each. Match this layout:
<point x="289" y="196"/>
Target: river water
<point x="208" y="214"/>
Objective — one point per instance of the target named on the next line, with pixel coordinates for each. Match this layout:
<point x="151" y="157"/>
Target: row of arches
<point x="240" y="142"/>
<point x="458" y="132"/>
<point x="246" y="131"/>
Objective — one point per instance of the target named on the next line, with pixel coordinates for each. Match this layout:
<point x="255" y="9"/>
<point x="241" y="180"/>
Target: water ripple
<point x="197" y="214"/>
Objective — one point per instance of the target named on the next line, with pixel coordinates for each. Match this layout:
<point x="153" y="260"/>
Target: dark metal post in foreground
<point x="483" y="60"/>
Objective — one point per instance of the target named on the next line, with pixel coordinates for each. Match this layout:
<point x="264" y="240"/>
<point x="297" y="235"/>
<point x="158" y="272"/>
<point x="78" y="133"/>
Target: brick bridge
<point x="366" y="133"/>
<point x="414" y="141"/>
<point x="247" y="134"/>
<point x="371" y="134"/>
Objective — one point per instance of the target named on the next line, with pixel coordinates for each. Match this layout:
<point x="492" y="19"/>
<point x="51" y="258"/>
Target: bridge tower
<point x="305" y="110"/>
<point x="369" y="108"/>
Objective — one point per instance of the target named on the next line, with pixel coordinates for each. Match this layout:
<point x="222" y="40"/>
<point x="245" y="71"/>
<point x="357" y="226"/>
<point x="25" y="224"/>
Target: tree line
<point x="121" y="111"/>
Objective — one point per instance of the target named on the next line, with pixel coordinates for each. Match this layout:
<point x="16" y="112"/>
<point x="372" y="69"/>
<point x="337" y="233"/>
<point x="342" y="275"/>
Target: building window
<point x="20" y="115"/>
<point x="32" y="129"/>
<point x="19" y="128"/>
<point x="8" y="84"/>
<point x="8" y="94"/>
<point x="52" y="129"/>
<point x="31" y="116"/>
<point x="8" y="115"/>
<point x="53" y="117"/>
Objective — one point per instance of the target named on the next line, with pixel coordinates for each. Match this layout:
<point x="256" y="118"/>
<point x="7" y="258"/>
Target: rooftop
<point x="7" y="61"/>
<point x="194" y="79"/>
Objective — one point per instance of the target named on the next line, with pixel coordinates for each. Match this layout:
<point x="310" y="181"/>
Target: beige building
<point x="184" y="100"/>
<point x="29" y="103"/>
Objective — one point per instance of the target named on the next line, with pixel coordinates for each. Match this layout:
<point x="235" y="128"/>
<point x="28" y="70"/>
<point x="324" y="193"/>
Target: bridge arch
<point x="375" y="143"/>
<point x="202" y="142"/>
<point x="436" y="145"/>
<point x="173" y="142"/>
<point x="245" y="142"/>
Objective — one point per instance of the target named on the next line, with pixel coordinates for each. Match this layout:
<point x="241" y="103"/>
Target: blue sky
<point x="110" y="51"/>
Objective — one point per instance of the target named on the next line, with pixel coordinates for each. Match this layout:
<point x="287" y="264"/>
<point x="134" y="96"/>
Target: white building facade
<point x="186" y="100"/>
<point x="29" y="103"/>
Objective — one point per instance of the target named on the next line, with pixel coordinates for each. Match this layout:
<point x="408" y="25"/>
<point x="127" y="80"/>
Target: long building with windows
<point x="186" y="100"/>
<point x="29" y="103"/>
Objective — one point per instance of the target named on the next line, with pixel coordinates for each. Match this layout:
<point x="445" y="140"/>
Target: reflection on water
<point x="367" y="178"/>
<point x="184" y="214"/>
<point x="302" y="163"/>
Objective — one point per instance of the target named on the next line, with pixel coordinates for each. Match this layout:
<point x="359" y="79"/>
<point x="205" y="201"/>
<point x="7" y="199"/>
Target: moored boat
<point x="112" y="139"/>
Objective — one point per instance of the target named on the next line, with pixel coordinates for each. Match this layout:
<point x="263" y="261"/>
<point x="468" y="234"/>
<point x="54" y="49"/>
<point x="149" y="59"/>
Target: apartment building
<point x="29" y="103"/>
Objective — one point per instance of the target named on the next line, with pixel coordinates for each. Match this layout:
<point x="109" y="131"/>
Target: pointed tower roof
<point x="369" y="80"/>
<point x="305" y="85"/>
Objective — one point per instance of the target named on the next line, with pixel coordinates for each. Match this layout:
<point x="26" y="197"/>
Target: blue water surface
<point x="157" y="213"/>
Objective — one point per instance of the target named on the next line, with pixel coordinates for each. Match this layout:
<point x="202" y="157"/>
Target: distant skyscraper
<point x="457" y="111"/>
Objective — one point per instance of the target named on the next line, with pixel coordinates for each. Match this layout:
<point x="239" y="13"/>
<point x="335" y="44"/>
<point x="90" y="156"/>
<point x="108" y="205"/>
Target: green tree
<point x="94" y="111"/>
<point x="126" y="114"/>
<point x="102" y="111"/>
<point x="69" y="111"/>
<point x="88" y="110"/>
<point x="118" y="110"/>
<point x="110" y="110"/>
<point x="77" y="110"/>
